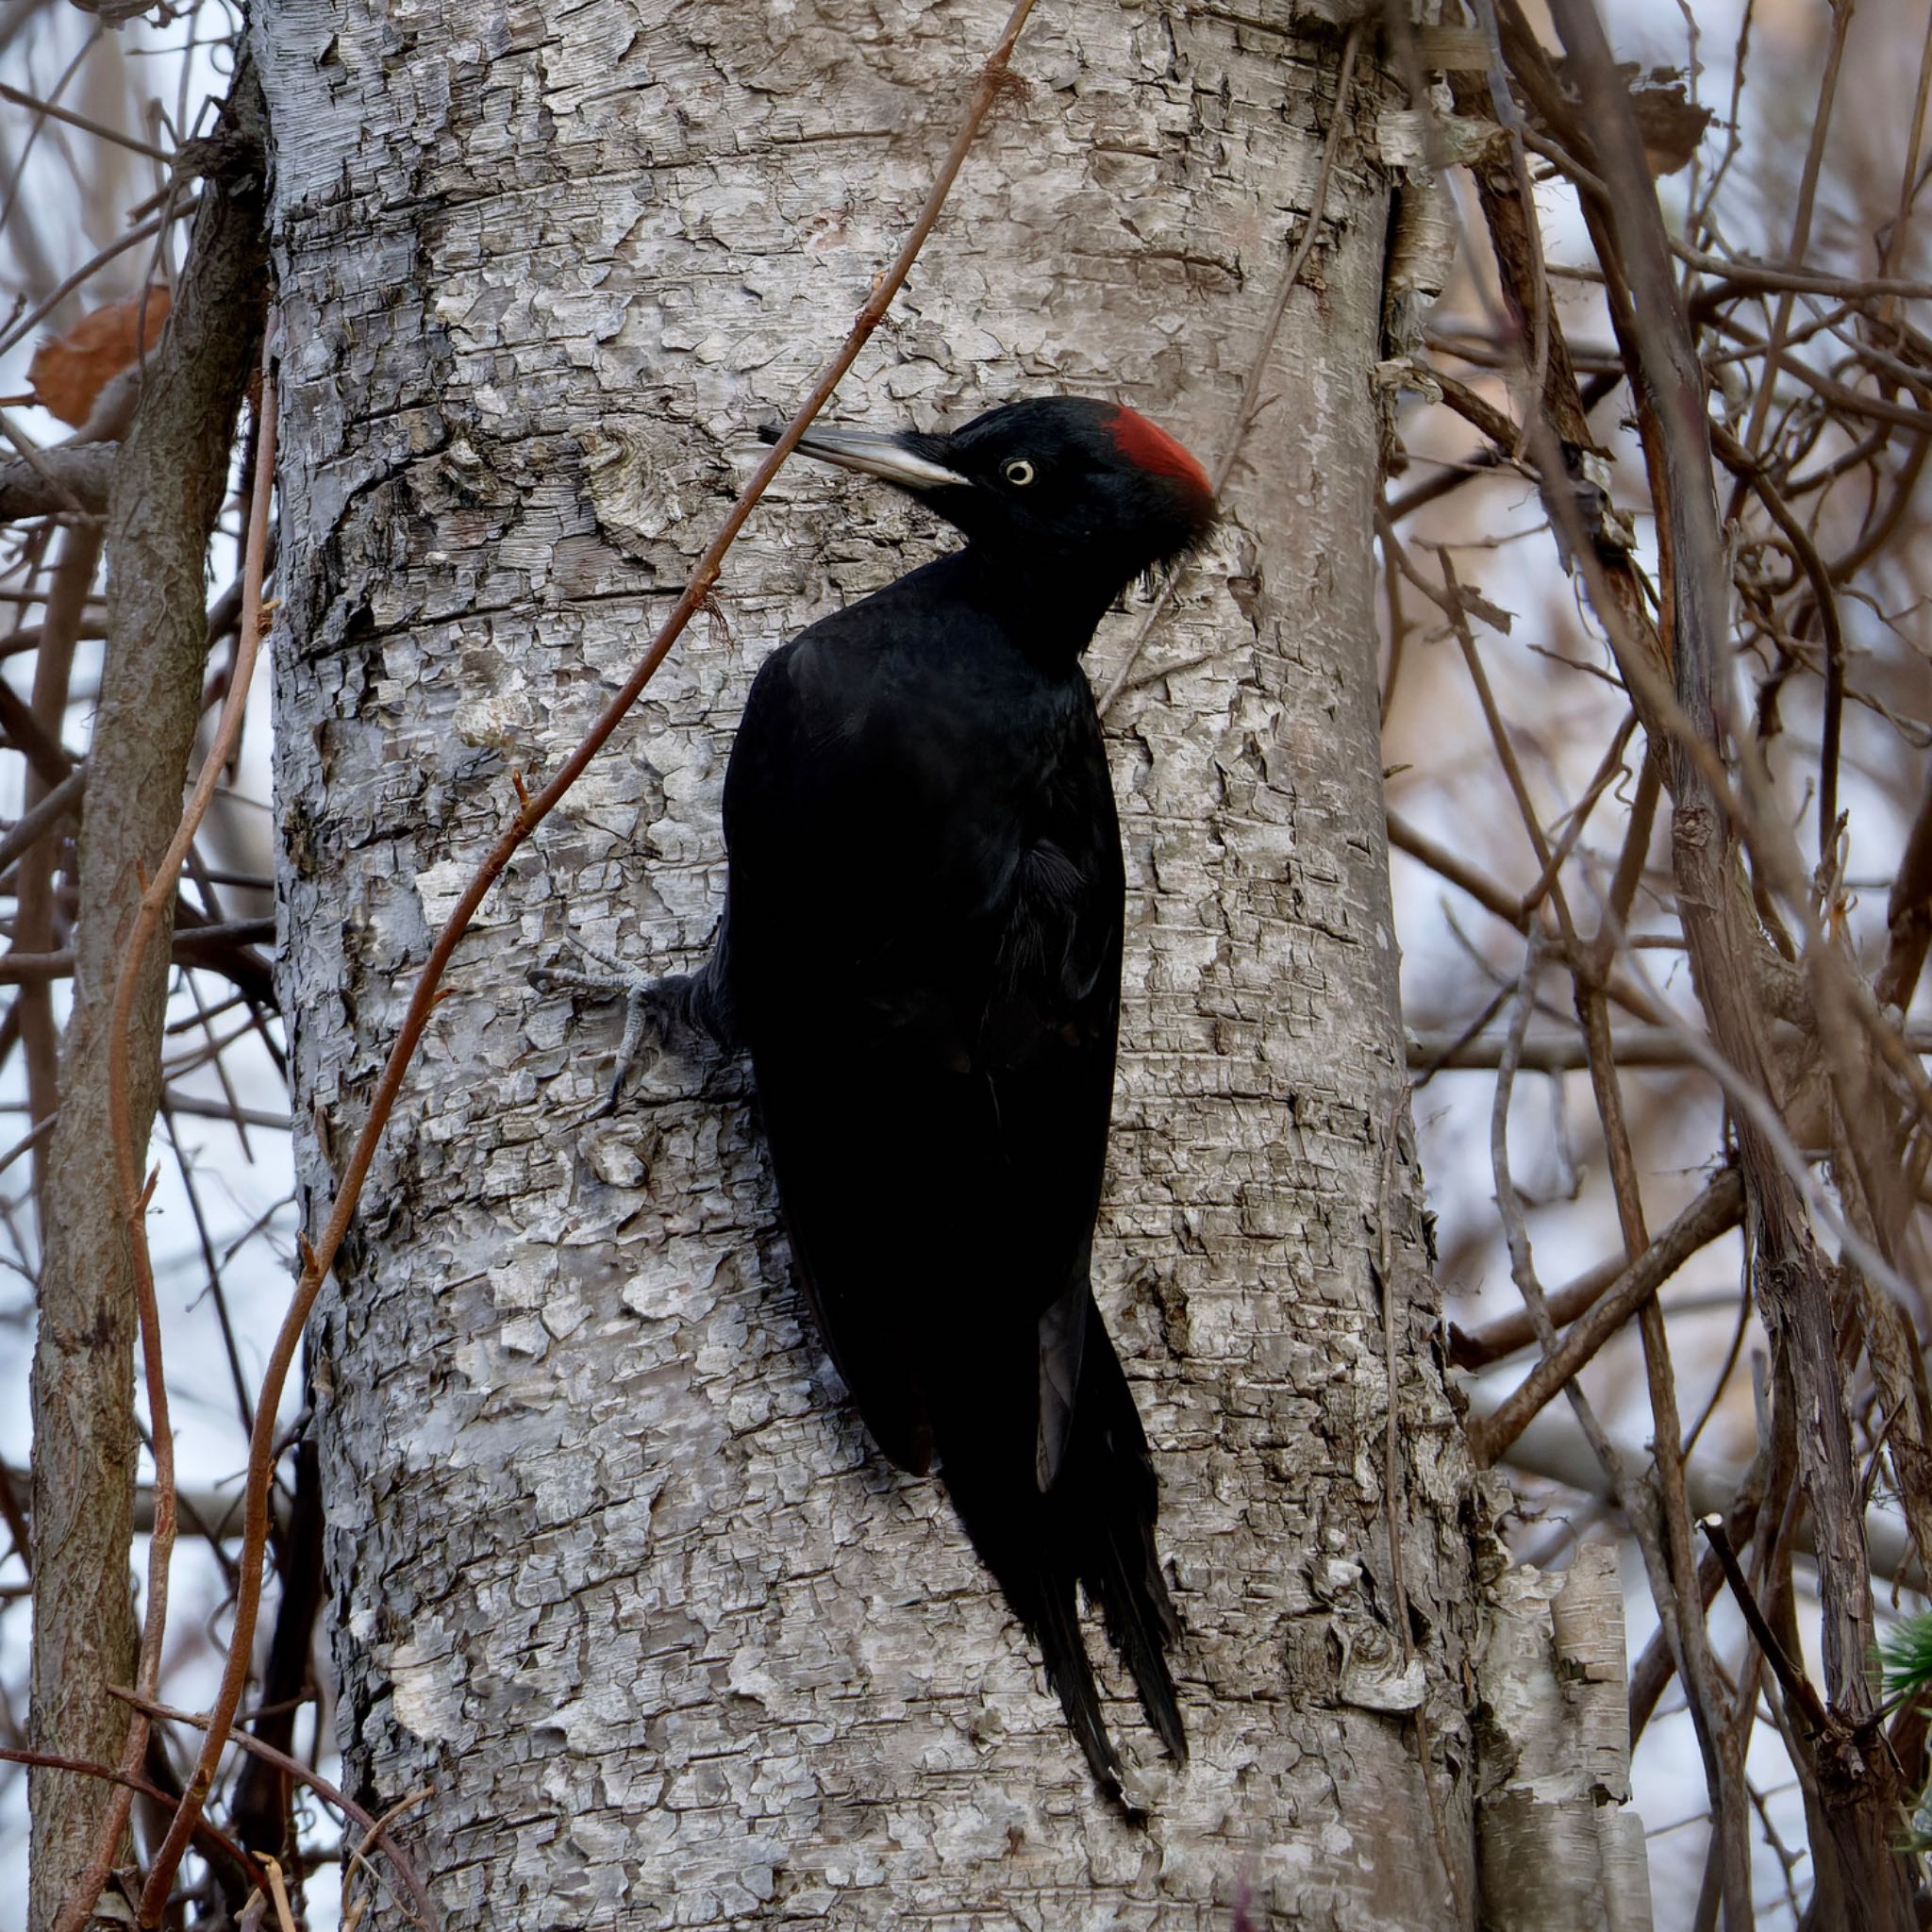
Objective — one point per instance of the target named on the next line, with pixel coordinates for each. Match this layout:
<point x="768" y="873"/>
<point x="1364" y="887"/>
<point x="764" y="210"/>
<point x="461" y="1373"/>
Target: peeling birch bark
<point x="1560" y="1850"/>
<point x="613" y="1564"/>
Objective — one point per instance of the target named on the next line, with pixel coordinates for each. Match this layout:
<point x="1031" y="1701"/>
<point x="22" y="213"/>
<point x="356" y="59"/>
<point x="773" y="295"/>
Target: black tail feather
<point x="1119" y="1563"/>
<point x="1057" y="1625"/>
<point x="1129" y="1602"/>
<point x="1095" y="1527"/>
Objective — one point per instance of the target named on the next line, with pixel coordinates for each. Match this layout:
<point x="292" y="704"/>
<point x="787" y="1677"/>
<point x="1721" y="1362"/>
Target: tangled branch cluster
<point x="1722" y="447"/>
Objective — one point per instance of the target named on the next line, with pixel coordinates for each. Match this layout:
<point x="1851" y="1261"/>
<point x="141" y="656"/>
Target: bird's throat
<point x="1052" y="605"/>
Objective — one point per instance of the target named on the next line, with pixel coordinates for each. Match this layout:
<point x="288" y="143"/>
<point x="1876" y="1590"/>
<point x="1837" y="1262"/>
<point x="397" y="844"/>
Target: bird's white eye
<point x="1017" y="470"/>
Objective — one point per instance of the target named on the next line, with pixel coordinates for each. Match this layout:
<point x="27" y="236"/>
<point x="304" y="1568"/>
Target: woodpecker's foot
<point x="682" y="1009"/>
<point x="642" y="995"/>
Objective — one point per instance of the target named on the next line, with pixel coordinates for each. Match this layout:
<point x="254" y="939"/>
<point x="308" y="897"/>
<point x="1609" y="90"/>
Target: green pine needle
<point x="1905" y="1656"/>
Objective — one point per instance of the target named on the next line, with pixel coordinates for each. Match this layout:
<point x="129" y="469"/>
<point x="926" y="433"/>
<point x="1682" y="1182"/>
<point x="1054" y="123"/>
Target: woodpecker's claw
<point x="639" y="992"/>
<point x="669" y="1004"/>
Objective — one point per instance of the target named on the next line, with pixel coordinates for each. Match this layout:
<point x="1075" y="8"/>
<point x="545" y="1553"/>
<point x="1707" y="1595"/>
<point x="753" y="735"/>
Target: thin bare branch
<point x="1714" y="1212"/>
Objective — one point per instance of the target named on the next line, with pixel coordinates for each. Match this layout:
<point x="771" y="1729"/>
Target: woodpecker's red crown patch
<point x="1150" y="447"/>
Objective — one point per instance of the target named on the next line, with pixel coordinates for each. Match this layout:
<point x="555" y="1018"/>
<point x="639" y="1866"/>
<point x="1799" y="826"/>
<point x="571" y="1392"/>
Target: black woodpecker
<point x="921" y="951"/>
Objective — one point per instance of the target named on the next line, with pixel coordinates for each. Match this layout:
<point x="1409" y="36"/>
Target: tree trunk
<point x="169" y="481"/>
<point x="613" y="1563"/>
<point x="1557" y="1849"/>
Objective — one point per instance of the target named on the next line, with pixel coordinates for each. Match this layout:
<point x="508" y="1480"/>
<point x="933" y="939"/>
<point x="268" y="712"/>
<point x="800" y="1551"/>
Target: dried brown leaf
<point x="68" y="372"/>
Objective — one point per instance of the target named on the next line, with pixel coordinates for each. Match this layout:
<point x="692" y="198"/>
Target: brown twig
<point x="99" y="129"/>
<point x="1412" y="840"/>
<point x="1714" y="1212"/>
<point x="19" y="330"/>
<point x="1750" y="471"/>
<point x="376" y="1833"/>
<point x="1801" y="228"/>
<point x="1566" y="1052"/>
<point x="1250" y="403"/>
<point x="1792" y="1680"/>
<point x="25" y="733"/>
<point x="374" y="1830"/>
<point x="1909" y="912"/>
<point x="135" y="1786"/>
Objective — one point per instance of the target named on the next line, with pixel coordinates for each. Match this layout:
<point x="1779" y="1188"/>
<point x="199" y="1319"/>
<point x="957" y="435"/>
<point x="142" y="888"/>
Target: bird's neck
<point x="1052" y="605"/>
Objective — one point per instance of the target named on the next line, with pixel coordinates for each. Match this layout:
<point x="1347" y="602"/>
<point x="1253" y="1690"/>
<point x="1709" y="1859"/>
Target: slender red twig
<point x="87" y="1767"/>
<point x="374" y="1830"/>
<point x="530" y="814"/>
<point x="358" y="1857"/>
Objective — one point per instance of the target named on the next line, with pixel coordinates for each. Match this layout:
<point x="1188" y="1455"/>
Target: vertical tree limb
<point x="1231" y="1110"/>
<point x="169" y="483"/>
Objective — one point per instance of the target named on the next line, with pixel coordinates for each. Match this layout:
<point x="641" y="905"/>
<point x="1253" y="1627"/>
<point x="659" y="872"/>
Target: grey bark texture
<point x="613" y="1563"/>
<point x="169" y="480"/>
<point x="1561" y="1851"/>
